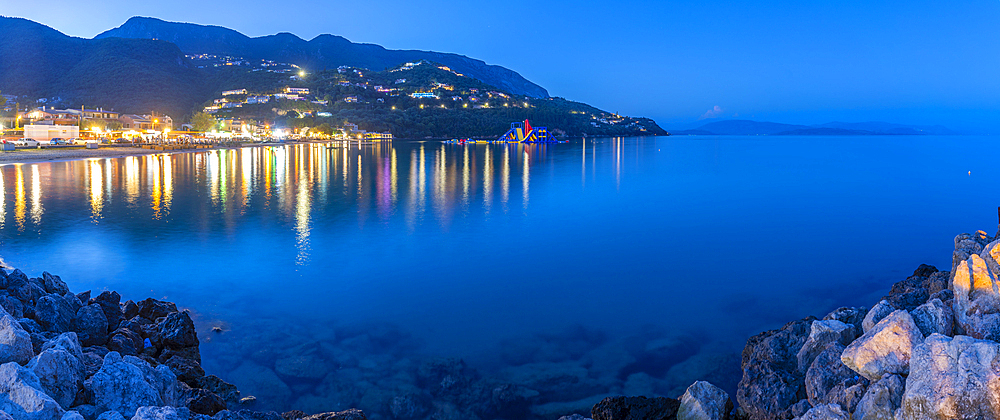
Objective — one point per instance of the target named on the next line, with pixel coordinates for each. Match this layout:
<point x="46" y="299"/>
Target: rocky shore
<point x="928" y="350"/>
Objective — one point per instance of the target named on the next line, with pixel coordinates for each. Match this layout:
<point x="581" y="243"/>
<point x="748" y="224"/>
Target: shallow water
<point x="470" y="251"/>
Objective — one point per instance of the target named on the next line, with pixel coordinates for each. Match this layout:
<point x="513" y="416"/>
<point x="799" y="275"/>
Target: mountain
<point x="742" y="128"/>
<point x="324" y="51"/>
<point x="761" y="128"/>
<point x="126" y="74"/>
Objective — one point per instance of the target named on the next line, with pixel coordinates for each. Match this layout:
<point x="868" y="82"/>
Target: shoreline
<point x="29" y="156"/>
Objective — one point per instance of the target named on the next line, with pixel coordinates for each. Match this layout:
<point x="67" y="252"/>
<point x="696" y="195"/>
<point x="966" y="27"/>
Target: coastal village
<point x="269" y="101"/>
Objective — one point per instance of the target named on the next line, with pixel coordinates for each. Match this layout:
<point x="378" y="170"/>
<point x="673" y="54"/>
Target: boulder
<point x="153" y="309"/>
<point x="825" y="412"/>
<point x="22" y="396"/>
<point x="125" y="384"/>
<point x="977" y="299"/>
<point x="967" y="245"/>
<point x="634" y="408"/>
<point x="828" y="380"/>
<point x="886" y="348"/>
<point x="704" y="401"/>
<point x="934" y="317"/>
<point x="15" y="342"/>
<point x="186" y="370"/>
<point x="772" y="381"/>
<point x="110" y="415"/>
<point x="854" y="317"/>
<point x="821" y="334"/>
<point x="881" y="310"/>
<point x="91" y="325"/>
<point x="130" y="309"/>
<point x="110" y="303"/>
<point x="59" y="369"/>
<point x="161" y="413"/>
<point x="72" y="415"/>
<point x="223" y="389"/>
<point x="952" y="378"/>
<point x="23" y="289"/>
<point x="177" y="331"/>
<point x="12" y="306"/>
<point x="205" y="402"/>
<point x="881" y="400"/>
<point x="54" y="313"/>
<point x="54" y="284"/>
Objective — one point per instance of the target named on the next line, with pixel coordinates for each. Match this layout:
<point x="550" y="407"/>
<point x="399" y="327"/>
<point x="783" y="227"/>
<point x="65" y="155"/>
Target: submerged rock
<point x="704" y="401"/>
<point x="886" y="348"/>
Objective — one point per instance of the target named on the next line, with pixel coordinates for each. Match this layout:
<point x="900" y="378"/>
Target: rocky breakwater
<point x="928" y="350"/>
<point x="66" y="356"/>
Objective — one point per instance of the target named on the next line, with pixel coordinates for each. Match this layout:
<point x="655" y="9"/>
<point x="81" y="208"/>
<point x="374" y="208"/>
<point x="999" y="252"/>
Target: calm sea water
<point x="469" y="247"/>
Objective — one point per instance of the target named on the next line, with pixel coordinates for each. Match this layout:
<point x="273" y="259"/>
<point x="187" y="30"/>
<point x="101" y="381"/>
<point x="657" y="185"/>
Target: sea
<point x="327" y="276"/>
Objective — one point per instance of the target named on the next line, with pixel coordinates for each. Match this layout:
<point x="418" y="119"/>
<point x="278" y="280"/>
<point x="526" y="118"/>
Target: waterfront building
<point x="235" y="92"/>
<point x="45" y="132"/>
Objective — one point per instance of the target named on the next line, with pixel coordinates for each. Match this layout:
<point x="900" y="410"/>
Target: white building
<point x="49" y="132"/>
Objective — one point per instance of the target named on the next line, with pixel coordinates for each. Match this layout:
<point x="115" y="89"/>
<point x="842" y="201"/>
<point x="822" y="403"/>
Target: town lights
<point x="302" y="73"/>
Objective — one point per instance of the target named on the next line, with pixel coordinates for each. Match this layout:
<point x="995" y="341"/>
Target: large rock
<point x="177" y="331"/>
<point x="54" y="313"/>
<point x="977" y="299"/>
<point x="22" y="396"/>
<point x="54" y="284"/>
<point x="821" y="334"/>
<point x="886" y="348"/>
<point x="635" y="408"/>
<point x="15" y="342"/>
<point x="59" y="369"/>
<point x="110" y="303"/>
<point x="881" y="400"/>
<point x="953" y="379"/>
<point x="854" y="317"/>
<point x="22" y="288"/>
<point x="934" y="317"/>
<point x="152" y="309"/>
<point x="91" y="325"/>
<point x="772" y="381"/>
<point x="967" y="245"/>
<point x="125" y="384"/>
<point x="161" y="413"/>
<point x="352" y="414"/>
<point x="829" y="381"/>
<point x="704" y="401"/>
<point x="881" y="310"/>
<point x="825" y="412"/>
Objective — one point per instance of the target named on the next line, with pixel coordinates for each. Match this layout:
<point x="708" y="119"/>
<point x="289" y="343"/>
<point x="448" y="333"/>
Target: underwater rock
<point x="262" y="383"/>
<point x="307" y="366"/>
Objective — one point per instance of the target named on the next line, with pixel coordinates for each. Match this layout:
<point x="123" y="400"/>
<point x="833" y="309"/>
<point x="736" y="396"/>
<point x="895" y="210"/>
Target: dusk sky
<point x="914" y="62"/>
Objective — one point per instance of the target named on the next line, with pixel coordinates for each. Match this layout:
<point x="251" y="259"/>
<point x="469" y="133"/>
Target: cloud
<point x="712" y="113"/>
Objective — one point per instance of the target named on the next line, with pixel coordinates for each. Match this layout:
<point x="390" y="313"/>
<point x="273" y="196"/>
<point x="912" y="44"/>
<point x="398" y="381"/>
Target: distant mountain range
<point x="324" y="51"/>
<point x="763" y="128"/>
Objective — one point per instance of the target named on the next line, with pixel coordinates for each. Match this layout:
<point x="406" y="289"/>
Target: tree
<point x="3" y="101"/>
<point x="323" y="129"/>
<point x="203" y="121"/>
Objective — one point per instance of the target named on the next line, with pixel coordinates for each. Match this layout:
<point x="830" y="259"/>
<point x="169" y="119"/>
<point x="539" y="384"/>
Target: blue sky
<point x="916" y="62"/>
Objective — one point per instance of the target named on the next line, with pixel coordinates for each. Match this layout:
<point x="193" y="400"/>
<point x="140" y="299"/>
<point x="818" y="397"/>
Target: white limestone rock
<point x="704" y="401"/>
<point x="952" y="378"/>
<point x="886" y="348"/>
